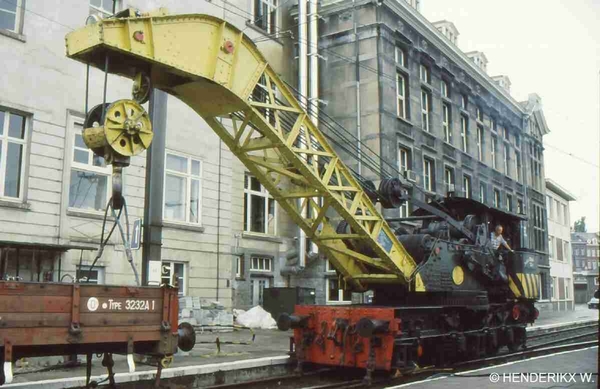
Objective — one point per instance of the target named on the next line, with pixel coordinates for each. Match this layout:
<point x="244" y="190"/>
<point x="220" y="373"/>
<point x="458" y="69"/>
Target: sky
<point x="552" y="48"/>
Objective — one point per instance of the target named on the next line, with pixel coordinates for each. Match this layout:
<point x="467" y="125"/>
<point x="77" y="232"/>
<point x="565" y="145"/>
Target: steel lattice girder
<point x="218" y="71"/>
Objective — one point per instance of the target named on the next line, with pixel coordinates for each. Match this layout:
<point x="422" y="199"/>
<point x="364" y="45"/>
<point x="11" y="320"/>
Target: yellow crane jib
<point x="215" y="69"/>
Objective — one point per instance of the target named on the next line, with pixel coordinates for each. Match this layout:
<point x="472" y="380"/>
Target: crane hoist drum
<point x="116" y="132"/>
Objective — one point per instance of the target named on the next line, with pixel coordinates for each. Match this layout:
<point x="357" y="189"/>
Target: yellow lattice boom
<point x="218" y="71"/>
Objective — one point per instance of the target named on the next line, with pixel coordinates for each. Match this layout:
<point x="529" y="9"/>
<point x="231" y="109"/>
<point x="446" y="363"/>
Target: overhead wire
<point x="571" y="155"/>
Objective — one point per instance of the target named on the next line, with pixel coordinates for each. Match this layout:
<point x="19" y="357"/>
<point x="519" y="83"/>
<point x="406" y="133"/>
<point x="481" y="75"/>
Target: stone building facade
<point x="561" y="293"/>
<point x="586" y="266"/>
<point x="432" y="113"/>
<point x="54" y="190"/>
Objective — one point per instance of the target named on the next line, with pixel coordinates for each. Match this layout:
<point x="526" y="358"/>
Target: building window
<point x="404" y="165"/>
<point x="260" y="212"/>
<point x="538" y="228"/>
<point x="424" y="73"/>
<point x="565" y="213"/>
<point x="543" y="286"/>
<point x="467" y="186"/>
<point x="464" y="131"/>
<point x="561" y="288"/>
<point x="84" y="275"/>
<point x="554" y="288"/>
<point x="257" y="290"/>
<point x="89" y="184"/>
<point x="517" y="166"/>
<point x="551" y="247"/>
<point x="335" y="293"/>
<point x="506" y="160"/>
<point x="519" y="206"/>
<point x="400" y="57"/>
<point x="328" y="267"/>
<point x="449" y="179"/>
<point x="536" y="167"/>
<point x="239" y="266"/>
<point x="505" y="133"/>
<point x="479" y="114"/>
<point x="102" y="7"/>
<point x="183" y="189"/>
<point x="405" y="207"/>
<point x="13" y="149"/>
<point x="509" y="203"/>
<point x="10" y="15"/>
<point x="445" y="89"/>
<point x="403" y="159"/>
<point x="401" y="95"/>
<point x="493" y="124"/>
<point x="559" y="215"/>
<point x="480" y="143"/>
<point x="482" y="190"/>
<point x="174" y="274"/>
<point x="560" y="250"/>
<point x="496" y="198"/>
<point x="567" y="288"/>
<point x="494" y="148"/>
<point x="429" y="174"/>
<point x="425" y="109"/>
<point x="517" y="141"/>
<point x="261" y="264"/>
<point x="265" y="15"/>
<point x="446" y="123"/>
<point x="549" y="207"/>
<point x="464" y="101"/>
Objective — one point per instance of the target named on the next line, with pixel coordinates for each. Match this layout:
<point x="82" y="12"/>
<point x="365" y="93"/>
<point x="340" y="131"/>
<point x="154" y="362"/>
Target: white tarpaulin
<point x="256" y="317"/>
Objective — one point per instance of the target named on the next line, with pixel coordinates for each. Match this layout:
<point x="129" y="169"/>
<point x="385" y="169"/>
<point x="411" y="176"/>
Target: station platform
<point x="580" y="313"/>
<point x="573" y="369"/>
<point x="268" y="351"/>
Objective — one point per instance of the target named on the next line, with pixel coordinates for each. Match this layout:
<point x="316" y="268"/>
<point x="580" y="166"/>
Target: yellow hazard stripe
<point x="534" y="285"/>
<point x="523" y="280"/>
<point x="513" y="287"/>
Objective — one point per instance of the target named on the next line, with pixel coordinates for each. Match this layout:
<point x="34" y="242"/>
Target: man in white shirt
<point x="497" y="239"/>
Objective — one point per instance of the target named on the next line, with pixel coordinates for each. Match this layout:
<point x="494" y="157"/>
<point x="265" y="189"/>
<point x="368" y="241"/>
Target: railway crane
<point x="439" y="292"/>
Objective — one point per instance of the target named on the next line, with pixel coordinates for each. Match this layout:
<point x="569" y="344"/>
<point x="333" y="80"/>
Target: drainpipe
<point x="302" y="89"/>
<point x="313" y="78"/>
<point x="357" y="70"/>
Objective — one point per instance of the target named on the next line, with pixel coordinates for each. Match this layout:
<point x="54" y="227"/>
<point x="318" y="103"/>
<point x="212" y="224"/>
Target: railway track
<point x="540" y="342"/>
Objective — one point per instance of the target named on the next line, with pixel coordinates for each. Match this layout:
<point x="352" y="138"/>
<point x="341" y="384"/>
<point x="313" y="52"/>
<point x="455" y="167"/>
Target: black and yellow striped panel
<point x="525" y="285"/>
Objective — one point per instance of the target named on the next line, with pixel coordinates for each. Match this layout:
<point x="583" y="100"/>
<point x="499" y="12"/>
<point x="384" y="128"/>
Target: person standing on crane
<point x="497" y="239"/>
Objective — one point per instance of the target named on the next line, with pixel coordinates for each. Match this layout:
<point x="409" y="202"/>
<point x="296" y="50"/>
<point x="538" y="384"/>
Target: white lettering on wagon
<point x="93" y="304"/>
<point x="128" y="305"/>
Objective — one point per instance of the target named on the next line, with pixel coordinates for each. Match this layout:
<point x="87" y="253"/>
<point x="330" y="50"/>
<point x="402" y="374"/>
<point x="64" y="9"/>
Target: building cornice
<point x="559" y="190"/>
